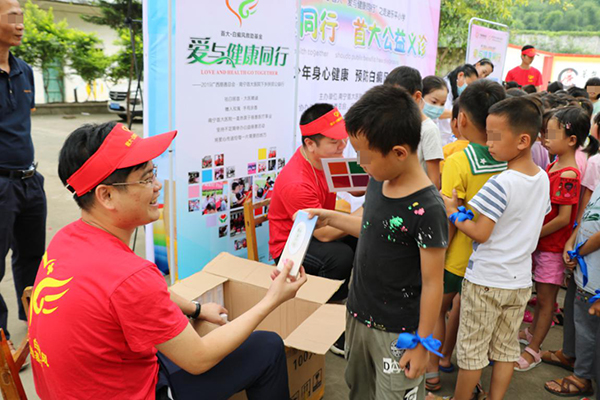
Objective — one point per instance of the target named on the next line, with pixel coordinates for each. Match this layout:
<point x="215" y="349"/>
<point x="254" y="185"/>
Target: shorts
<point x="489" y="325"/>
<point x="548" y="267"/>
<point x="372" y="370"/>
<point x="452" y="282"/>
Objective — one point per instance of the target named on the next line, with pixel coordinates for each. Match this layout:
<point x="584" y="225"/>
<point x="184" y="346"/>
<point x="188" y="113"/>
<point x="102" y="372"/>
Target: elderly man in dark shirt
<point x="22" y="197"/>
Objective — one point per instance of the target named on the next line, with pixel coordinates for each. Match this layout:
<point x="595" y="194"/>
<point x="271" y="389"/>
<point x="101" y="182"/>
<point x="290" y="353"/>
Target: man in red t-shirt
<point x="99" y="313"/>
<point x="302" y="184"/>
<point x="525" y="74"/>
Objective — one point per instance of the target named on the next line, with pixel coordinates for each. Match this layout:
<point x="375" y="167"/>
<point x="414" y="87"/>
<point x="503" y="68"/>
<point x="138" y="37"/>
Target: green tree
<point x="45" y="45"/>
<point x="53" y="45"/>
<point x="86" y="58"/>
<point x="456" y="14"/>
<point x="116" y="14"/>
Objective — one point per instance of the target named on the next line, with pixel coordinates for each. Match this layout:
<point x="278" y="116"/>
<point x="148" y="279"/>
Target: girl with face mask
<point x="435" y="93"/>
<point x="456" y="82"/>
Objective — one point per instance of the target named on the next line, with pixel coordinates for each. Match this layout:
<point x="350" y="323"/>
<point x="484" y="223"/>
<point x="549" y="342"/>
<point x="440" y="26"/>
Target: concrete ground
<point x="49" y="133"/>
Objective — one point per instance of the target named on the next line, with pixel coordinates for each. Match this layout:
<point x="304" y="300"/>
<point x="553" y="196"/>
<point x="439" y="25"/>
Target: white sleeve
<point x="431" y="142"/>
<point x="490" y="200"/>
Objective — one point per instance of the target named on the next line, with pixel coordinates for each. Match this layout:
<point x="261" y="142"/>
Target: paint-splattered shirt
<point x="386" y="283"/>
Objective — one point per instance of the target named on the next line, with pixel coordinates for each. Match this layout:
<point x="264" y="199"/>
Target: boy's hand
<point x="451" y="203"/>
<point x="569" y="263"/>
<point x="317" y="212"/>
<point x="595" y="309"/>
<point x="416" y="359"/>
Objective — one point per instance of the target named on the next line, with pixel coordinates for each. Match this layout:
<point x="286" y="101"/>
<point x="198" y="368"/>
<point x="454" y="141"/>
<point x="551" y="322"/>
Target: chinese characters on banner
<point x="235" y="115"/>
<point x="348" y="46"/>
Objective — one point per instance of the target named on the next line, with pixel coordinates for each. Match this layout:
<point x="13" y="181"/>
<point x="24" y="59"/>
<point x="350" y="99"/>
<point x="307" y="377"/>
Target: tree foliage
<point x="118" y="14"/>
<point x="578" y="16"/>
<point x="49" y="44"/>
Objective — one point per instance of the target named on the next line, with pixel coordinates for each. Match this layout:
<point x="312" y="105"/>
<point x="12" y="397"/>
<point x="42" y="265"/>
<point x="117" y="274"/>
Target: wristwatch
<point x="196" y="313"/>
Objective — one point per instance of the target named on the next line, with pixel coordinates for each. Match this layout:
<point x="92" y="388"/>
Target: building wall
<point x="73" y="83"/>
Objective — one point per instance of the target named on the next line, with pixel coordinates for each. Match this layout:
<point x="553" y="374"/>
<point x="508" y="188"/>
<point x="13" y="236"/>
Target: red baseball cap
<point x="121" y="149"/>
<point x="331" y="125"/>
<point x="529" y="52"/>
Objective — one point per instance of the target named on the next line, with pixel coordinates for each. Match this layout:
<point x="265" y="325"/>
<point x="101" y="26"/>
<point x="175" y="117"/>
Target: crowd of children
<point x="515" y="174"/>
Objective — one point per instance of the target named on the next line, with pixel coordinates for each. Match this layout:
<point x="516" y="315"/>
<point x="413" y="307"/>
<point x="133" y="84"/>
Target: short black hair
<point x="578" y="92"/>
<point x="311" y="114"/>
<point x="407" y="77"/>
<point x="386" y="116"/>
<point x="555" y="86"/>
<point x="523" y="113"/>
<point x="593" y="82"/>
<point x="529" y="89"/>
<point x="432" y="83"/>
<point x="477" y="99"/>
<point x="455" y="109"/>
<point x="511" y="85"/>
<point x="527" y="47"/>
<point x="79" y="146"/>
<point x="515" y="92"/>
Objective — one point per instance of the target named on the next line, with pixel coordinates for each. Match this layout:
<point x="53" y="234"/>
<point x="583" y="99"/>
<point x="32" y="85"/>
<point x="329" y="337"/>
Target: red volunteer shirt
<point x="97" y="311"/>
<point x="298" y="186"/>
<point x="563" y="191"/>
<point x="523" y="77"/>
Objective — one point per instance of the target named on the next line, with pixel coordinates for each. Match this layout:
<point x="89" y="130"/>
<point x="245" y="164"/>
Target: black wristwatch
<point x="196" y="313"/>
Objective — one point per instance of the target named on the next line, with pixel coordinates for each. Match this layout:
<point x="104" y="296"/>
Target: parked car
<point x="118" y="102"/>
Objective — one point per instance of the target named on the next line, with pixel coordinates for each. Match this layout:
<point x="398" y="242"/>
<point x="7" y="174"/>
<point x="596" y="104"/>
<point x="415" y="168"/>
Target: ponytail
<point x="593" y="146"/>
<point x="467" y="70"/>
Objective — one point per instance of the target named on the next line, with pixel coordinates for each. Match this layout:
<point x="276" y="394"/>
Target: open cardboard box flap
<point x="194" y="286"/>
<point x="319" y="331"/>
<point x="317" y="289"/>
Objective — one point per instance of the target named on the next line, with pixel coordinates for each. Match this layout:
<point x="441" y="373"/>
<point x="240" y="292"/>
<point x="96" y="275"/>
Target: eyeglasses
<point x="145" y="182"/>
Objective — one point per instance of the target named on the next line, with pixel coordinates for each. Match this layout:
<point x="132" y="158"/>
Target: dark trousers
<point x="331" y="260"/>
<point x="257" y="366"/>
<point x="569" y="319"/>
<point x="22" y="229"/>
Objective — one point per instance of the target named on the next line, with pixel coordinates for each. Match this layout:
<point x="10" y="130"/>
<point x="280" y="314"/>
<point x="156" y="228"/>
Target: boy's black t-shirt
<point x="385" y="291"/>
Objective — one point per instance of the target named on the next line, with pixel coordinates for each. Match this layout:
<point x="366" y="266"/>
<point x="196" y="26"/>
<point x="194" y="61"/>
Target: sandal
<point x="449" y="369"/>
<point x="569" y="382"/>
<point x="528" y="337"/>
<point x="524" y="365"/>
<point x="528" y="317"/>
<point x="558" y="359"/>
<point x="433" y="387"/>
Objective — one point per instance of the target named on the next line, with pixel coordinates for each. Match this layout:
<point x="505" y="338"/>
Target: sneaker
<point x="338" y="347"/>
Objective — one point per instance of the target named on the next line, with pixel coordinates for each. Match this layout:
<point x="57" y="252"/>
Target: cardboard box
<point x="306" y="323"/>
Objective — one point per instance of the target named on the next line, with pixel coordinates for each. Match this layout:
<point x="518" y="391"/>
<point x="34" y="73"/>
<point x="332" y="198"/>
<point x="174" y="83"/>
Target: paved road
<point x="49" y="132"/>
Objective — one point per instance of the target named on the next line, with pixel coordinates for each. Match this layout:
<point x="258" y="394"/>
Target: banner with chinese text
<point x="491" y="44"/>
<point x="235" y="115"/>
<point x="348" y="46"/>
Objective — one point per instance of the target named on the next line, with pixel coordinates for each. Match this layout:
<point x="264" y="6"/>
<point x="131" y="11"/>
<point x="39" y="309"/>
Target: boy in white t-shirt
<point x="497" y="283"/>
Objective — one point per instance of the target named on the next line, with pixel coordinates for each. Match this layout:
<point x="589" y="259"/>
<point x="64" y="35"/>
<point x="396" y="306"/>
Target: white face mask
<point x="432" y="111"/>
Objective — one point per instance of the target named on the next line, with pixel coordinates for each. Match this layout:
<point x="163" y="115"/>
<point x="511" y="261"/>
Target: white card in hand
<point x="297" y="242"/>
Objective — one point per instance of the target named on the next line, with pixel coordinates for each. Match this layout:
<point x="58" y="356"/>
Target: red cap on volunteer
<point x="530" y="52"/>
<point x="121" y="149"/>
<point x="331" y="125"/>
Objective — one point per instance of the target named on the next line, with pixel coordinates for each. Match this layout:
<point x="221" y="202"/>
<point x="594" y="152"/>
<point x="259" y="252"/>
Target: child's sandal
<point x="524" y="365"/>
<point x="527" y="339"/>
<point x="433" y="387"/>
